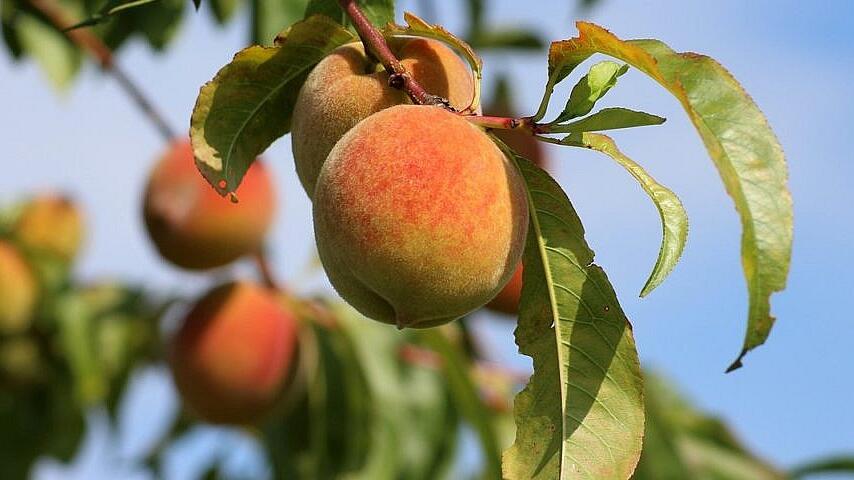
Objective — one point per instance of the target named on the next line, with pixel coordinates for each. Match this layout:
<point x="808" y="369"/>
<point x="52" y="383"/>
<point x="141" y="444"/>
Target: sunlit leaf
<point x="581" y="414"/>
<point x="419" y="28"/>
<point x="674" y="220"/>
<point x="249" y="102"/>
<point x="609" y="119"/>
<point x="740" y="142"/>
<point x="592" y="87"/>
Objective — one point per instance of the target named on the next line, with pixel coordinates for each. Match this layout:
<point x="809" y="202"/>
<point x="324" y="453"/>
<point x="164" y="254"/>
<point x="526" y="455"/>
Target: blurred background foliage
<point x="367" y="403"/>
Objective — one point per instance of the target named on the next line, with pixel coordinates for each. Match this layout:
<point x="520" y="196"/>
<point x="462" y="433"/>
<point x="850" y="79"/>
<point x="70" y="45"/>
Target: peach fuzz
<point x="233" y="354"/>
<point x="191" y="225"/>
<point x="347" y="87"/>
<point x="419" y="218"/>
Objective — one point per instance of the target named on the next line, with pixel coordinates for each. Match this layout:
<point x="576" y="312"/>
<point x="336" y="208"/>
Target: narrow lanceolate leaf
<point x="836" y="464"/>
<point x="609" y="119"/>
<point x="417" y="27"/>
<point x="112" y="7"/>
<point x="674" y="220"/>
<point x="592" y="87"/>
<point x="249" y="102"/>
<point x="740" y="141"/>
<point x="581" y="415"/>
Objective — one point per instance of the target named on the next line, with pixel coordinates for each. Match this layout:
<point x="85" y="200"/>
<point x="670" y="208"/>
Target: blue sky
<point x="791" y="402"/>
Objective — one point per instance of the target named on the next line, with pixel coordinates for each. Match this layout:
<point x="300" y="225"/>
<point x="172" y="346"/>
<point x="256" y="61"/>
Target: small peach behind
<point x="419" y="217"/>
<point x="191" y="225"/>
<point x="18" y="290"/>
<point x="51" y="224"/>
<point x="233" y="354"/>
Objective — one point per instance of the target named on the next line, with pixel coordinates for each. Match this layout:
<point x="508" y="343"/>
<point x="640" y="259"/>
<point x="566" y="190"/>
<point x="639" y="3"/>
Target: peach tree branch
<point x="91" y="44"/>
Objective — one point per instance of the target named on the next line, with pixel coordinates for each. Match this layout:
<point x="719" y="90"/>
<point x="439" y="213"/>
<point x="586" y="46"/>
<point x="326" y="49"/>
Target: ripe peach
<point x="18" y="290"/>
<point x="418" y="216"/>
<point x="507" y="300"/>
<point x="51" y="224"/>
<point x="194" y="227"/>
<point x="232" y="355"/>
<point x="347" y="87"/>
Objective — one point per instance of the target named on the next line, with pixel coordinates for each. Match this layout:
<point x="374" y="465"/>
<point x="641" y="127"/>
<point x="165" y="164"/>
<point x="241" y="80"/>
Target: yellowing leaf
<point x="674" y="220"/>
<point x="740" y="142"/>
<point x="249" y="102"/>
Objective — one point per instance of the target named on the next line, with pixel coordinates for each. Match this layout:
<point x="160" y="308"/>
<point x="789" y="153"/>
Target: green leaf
<point x="412" y="404"/>
<point x="608" y="119"/>
<point x="223" y="10"/>
<point x="419" y="28"/>
<point x="466" y="397"/>
<point x="269" y="17"/>
<point x="379" y="12"/>
<point x="506" y="38"/>
<point x="835" y="464"/>
<point x="112" y="7"/>
<point x="581" y="415"/>
<point x="741" y="143"/>
<point x="683" y="442"/>
<point x="78" y="338"/>
<point x="674" y="220"/>
<point x="59" y="59"/>
<point x="593" y="86"/>
<point x="250" y="101"/>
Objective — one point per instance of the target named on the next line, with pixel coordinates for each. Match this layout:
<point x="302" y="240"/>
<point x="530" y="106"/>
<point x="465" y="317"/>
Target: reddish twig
<point x="88" y="42"/>
<point x="376" y="46"/>
<point x="266" y="272"/>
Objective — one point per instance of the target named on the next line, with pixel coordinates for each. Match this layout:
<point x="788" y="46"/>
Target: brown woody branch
<point x="88" y="42"/>
<point x="376" y="46"/>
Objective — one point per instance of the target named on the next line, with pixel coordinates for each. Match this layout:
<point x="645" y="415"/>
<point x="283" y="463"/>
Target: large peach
<point x="347" y="87"/>
<point x="232" y="356"/>
<point x="194" y="227"/>
<point x="419" y="218"/>
<point x="51" y="224"/>
<point x="18" y="290"/>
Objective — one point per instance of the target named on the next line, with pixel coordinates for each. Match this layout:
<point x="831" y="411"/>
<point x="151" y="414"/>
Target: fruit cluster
<point x="419" y="219"/>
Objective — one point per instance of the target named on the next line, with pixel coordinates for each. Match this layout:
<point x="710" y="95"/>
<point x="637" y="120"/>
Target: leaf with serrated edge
<point x="249" y="102"/>
<point x="581" y="414"/>
<point x="739" y="140"/>
<point x="590" y="89"/>
<point x="609" y="119"/>
<point x="674" y="220"/>
<point x="417" y="27"/>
